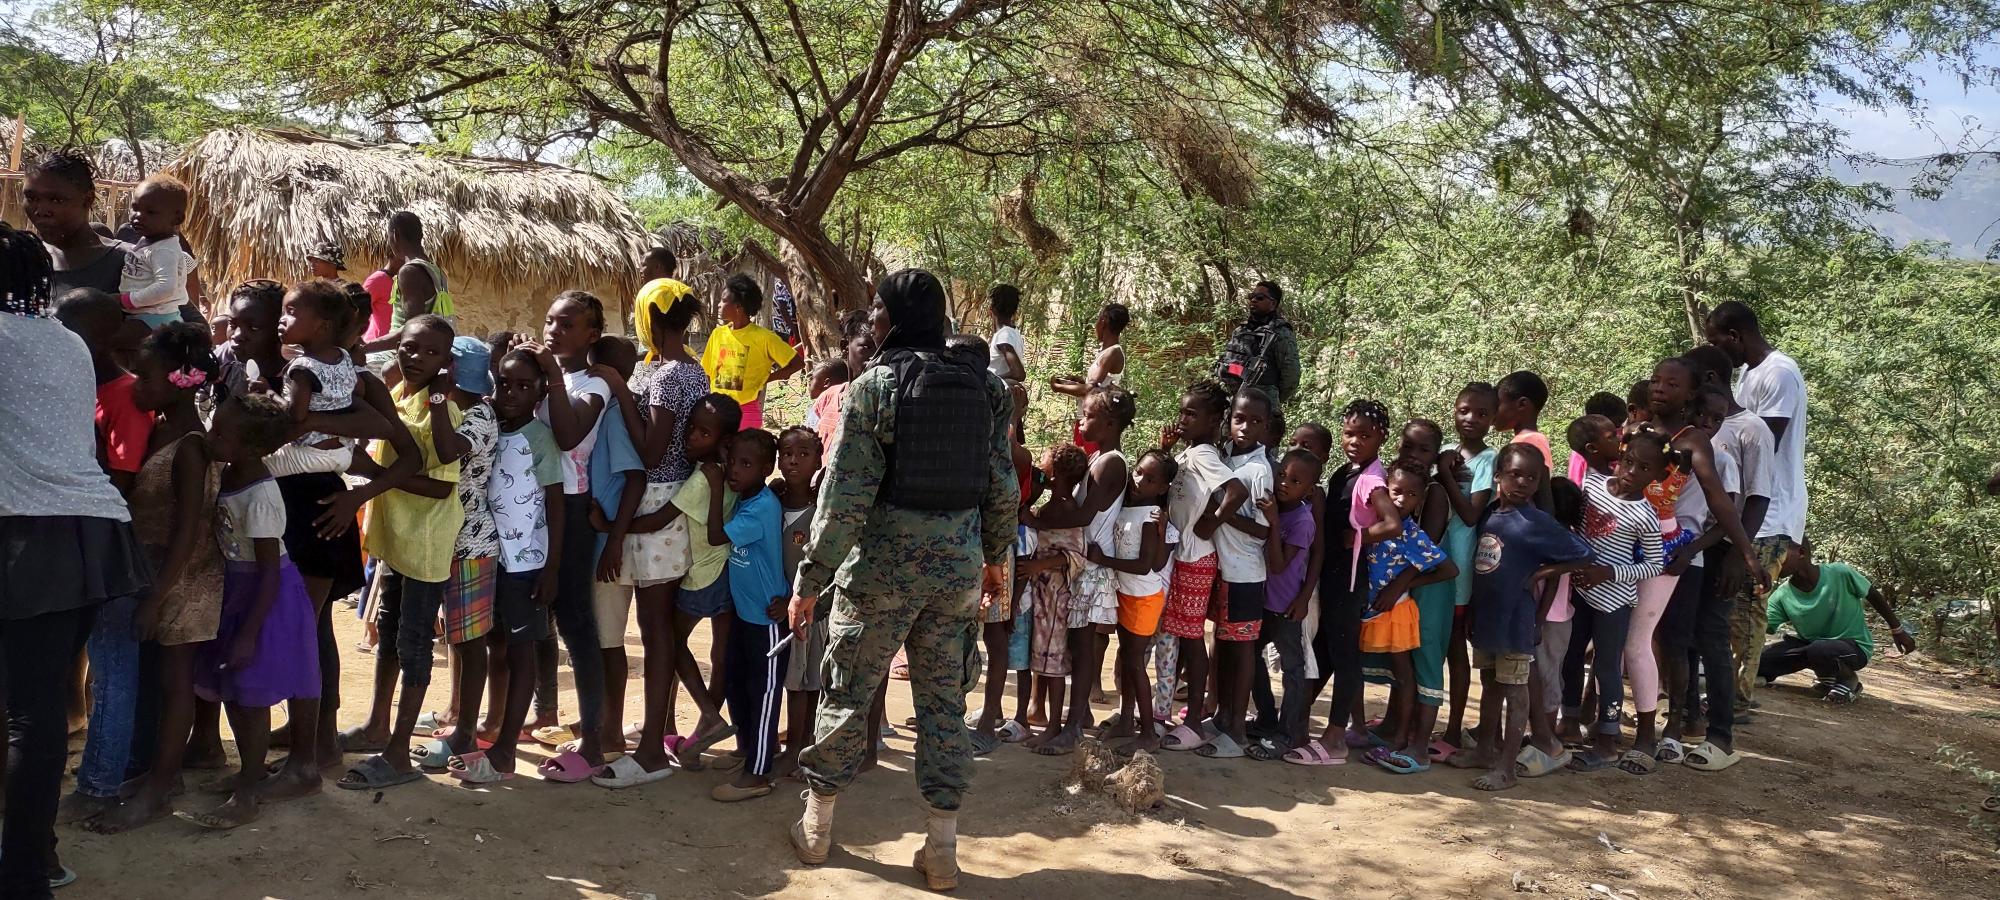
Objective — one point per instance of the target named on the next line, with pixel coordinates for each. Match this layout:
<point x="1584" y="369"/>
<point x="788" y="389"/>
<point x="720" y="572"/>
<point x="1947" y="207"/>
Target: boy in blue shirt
<point x="759" y="591"/>
<point x="1521" y="551"/>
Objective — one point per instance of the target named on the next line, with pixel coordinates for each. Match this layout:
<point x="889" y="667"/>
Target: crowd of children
<point x="516" y="491"/>
<point x="1255" y="567"/>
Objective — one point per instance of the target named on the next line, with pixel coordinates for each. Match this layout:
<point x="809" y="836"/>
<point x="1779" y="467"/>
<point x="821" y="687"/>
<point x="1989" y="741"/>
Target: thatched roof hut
<point x="509" y="235"/>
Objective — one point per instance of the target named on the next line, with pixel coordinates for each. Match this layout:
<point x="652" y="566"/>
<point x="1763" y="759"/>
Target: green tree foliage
<point x="79" y="74"/>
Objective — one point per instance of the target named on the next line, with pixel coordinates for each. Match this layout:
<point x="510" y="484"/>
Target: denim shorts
<point x="706" y="602"/>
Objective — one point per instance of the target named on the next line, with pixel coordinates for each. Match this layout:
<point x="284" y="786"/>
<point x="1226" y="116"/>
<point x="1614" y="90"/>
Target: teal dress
<point x="1461" y="539"/>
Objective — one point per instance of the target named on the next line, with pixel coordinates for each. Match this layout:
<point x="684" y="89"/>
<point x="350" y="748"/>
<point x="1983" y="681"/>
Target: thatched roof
<point x="266" y="197"/>
<point x="115" y="159"/>
<point x="7" y="136"/>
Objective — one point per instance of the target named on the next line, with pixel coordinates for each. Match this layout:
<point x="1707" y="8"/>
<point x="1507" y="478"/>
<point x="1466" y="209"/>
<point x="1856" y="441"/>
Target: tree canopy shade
<point x="771" y="105"/>
<point x="1707" y="109"/>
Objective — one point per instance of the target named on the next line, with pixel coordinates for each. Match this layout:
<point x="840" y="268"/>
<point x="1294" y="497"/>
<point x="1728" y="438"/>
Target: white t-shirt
<point x="1010" y="336"/>
<point x="1774" y="389"/>
<point x="1202" y="470"/>
<point x="247" y="514"/>
<point x="1692" y="511"/>
<point x="576" y="461"/>
<point x="1240" y="557"/>
<point x="1130" y="538"/>
<point x="514" y="492"/>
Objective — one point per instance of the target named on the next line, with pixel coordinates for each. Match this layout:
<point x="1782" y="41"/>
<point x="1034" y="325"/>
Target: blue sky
<point x="1950" y="118"/>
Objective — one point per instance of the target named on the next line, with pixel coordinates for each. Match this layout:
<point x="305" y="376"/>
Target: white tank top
<point x="1103" y="526"/>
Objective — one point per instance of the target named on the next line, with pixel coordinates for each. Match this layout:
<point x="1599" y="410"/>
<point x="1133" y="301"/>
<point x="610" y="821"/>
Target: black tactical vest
<point x="941" y="458"/>
<point x="1243" y="358"/>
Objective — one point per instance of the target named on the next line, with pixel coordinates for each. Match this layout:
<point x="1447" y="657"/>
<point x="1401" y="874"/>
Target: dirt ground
<point x="1832" y="801"/>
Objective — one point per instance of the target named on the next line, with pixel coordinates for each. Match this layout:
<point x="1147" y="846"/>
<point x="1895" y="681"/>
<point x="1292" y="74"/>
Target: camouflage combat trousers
<point x="942" y="634"/>
<point x="1749" y="621"/>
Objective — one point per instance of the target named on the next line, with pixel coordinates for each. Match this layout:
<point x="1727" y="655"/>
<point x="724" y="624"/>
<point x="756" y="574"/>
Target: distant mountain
<point x="1966" y="217"/>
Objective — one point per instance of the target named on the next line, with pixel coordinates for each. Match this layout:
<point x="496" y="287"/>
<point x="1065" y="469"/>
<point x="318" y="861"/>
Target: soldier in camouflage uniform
<point x="891" y="577"/>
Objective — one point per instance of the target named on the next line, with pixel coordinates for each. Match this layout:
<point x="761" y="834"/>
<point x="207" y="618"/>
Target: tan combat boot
<point x="937" y="859"/>
<point x="812" y="834"/>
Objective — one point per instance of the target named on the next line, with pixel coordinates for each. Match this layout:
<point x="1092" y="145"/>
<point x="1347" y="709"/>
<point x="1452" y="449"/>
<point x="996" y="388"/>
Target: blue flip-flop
<point x="434" y="754"/>
<point x="1401" y="763"/>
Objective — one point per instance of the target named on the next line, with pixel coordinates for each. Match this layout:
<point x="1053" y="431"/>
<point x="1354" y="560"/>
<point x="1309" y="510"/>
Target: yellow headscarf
<point x="658" y="294"/>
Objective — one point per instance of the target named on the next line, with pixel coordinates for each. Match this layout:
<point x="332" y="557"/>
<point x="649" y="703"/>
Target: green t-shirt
<point x="705" y="559"/>
<point x="1832" y="610"/>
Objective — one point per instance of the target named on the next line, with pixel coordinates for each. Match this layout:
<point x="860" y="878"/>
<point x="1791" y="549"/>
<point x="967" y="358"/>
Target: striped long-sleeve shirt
<point x="1623" y="534"/>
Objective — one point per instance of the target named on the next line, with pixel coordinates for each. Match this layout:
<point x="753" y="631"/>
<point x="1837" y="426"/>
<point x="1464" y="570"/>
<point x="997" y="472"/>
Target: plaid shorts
<point x="1188" y="593"/>
<point x="468" y="599"/>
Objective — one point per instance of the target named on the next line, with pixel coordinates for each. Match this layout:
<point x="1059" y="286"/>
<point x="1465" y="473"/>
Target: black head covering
<point x="916" y="304"/>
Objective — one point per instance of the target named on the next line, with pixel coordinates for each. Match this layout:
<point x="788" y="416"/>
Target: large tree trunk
<point x="1688" y="240"/>
<point x="825" y="281"/>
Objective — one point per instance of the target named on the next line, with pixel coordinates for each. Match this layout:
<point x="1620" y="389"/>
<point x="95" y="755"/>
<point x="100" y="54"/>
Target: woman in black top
<point x="61" y="189"/>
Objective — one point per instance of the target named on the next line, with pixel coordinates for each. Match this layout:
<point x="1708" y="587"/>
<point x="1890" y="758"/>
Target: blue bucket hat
<point x="470" y="356"/>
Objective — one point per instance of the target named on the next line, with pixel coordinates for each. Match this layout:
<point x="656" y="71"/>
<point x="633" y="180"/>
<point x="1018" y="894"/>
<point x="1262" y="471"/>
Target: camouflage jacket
<point x="872" y="548"/>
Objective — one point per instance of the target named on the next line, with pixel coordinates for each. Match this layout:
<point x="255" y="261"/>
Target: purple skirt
<point x="287" y="662"/>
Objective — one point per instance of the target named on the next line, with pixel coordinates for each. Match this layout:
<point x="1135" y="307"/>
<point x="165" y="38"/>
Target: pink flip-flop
<point x="677" y="747"/>
<point x="1441" y="751"/>
<point x="1183" y="738"/>
<point x="568" y="767"/>
<point x="1313" y="753"/>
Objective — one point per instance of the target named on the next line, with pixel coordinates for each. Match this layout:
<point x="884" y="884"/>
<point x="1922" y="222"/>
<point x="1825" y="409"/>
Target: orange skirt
<point x="1395" y="631"/>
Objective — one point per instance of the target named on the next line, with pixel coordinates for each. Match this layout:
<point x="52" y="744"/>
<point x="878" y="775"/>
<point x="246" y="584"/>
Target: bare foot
<point x="1147" y="742"/>
<point x="1121" y="727"/>
<point x="1473" y="758"/>
<point x="541" y="720"/>
<point x="237" y="810"/>
<point x="1062" y="743"/>
<point x="1497" y="780"/>
<point x="204" y="755"/>
<point x="77" y="806"/>
<point x="142" y="810"/>
<point x="290" y="784"/>
<point x="1098" y="696"/>
<point x="358" y="740"/>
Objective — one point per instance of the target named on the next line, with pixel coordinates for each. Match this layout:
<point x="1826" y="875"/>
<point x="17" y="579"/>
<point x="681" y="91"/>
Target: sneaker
<point x="1843" y="694"/>
<point x="1823" y="685"/>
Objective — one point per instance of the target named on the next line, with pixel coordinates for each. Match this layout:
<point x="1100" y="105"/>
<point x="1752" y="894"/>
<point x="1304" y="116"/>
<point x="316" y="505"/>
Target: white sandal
<point x="625" y="772"/>
<point x="1710" y="758"/>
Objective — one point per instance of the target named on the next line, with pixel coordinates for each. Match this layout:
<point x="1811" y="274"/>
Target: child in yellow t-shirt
<point x="742" y="356"/>
<point x="412" y="530"/>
